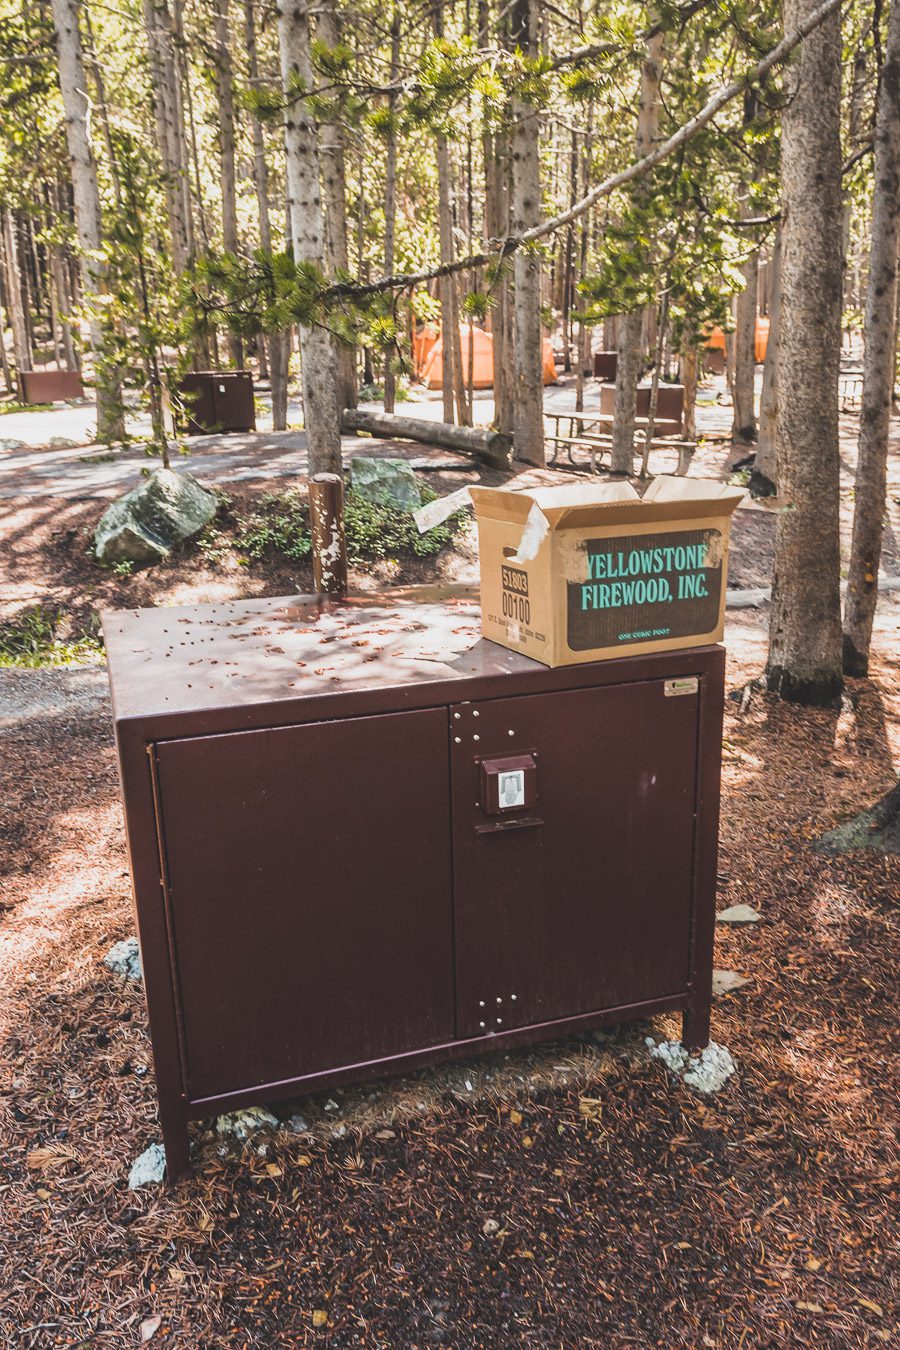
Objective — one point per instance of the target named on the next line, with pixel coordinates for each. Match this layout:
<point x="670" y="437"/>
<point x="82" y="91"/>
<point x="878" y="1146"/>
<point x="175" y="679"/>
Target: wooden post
<point x="329" y="547"/>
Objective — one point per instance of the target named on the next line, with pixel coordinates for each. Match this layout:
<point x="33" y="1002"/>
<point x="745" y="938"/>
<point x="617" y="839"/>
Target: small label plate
<point x="675" y="688"/>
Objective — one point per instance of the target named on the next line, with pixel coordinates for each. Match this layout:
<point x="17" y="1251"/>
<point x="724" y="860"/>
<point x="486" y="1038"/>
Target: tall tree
<point x="390" y="191"/>
<point x="276" y="343"/>
<point x="88" y="220"/>
<point x="334" y="184"/>
<point x="879" y="365"/>
<point x="320" y="404"/>
<point x="528" y="409"/>
<point x="628" y="365"/>
<point x="165" y="88"/>
<point x="227" y="167"/>
<point x="765" y="468"/>
<point x="15" y="303"/>
<point x="804" y="663"/>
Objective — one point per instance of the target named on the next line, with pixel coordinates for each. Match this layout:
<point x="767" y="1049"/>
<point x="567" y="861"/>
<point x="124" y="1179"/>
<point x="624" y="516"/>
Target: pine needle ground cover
<point x="573" y="1196"/>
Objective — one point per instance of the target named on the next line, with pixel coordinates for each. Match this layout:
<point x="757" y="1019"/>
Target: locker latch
<point x="508" y="784"/>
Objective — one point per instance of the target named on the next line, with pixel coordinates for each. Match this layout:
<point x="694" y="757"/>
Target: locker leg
<point x="177" y="1144"/>
<point x="695" y="1025"/>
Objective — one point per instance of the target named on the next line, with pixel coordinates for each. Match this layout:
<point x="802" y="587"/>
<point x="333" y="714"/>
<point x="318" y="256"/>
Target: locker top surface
<point x="214" y="667"/>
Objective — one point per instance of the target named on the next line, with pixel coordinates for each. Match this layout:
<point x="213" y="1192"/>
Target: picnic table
<point x="591" y="430"/>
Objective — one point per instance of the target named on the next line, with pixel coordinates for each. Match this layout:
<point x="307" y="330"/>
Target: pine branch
<point x="501" y="249"/>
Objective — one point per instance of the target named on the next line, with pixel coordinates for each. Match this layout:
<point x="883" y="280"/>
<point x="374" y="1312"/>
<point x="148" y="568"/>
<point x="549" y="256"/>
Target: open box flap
<point x="703" y="492"/>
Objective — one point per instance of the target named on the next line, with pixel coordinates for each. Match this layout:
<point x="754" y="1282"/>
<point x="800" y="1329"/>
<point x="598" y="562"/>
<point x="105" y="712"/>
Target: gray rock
<point x="125" y="959"/>
<point x="10" y="443"/>
<point x="63" y="443"/>
<point x="298" y="1125"/>
<point x="738" y="914"/>
<point x="241" y="1124"/>
<point x="389" y="482"/>
<point x="147" y="523"/>
<point x="149" y="1169"/>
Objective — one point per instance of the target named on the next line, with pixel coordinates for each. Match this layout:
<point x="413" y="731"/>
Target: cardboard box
<point x="587" y="573"/>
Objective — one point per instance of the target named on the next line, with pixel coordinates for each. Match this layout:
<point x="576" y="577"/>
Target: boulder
<point x="145" y="525"/>
<point x="388" y="482"/>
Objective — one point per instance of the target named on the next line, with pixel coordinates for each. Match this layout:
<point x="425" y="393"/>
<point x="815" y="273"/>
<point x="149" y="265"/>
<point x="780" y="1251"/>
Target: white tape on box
<point x="537" y="527"/>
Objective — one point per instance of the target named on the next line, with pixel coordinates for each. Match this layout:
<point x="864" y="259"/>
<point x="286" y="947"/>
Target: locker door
<point x="573" y="865"/>
<point x="308" y="875"/>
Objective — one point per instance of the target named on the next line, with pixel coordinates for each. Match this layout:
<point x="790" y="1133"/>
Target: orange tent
<point x="483" y="364"/>
<point x="423" y="342"/>
<point x="716" y="339"/>
<point x="762" y="339"/>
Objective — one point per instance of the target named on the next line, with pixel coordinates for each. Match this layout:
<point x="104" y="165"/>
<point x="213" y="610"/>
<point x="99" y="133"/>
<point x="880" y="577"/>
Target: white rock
<point x="125" y="959"/>
<point x="707" y="1072"/>
<point x="298" y="1125"/>
<point x="738" y="914"/>
<point x="149" y="1169"/>
<point x="241" y="1124"/>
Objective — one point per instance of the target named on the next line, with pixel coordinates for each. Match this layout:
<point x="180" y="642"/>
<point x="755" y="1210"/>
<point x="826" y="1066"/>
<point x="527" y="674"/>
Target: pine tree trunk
<point x="764" y="476"/>
<point x="268" y="343"/>
<point x="334" y="187"/>
<point x="22" y="355"/>
<point x="528" y="409"/>
<point x="879" y="366"/>
<point x="628" y="367"/>
<point x="689" y="374"/>
<point x="320" y="406"/>
<point x="110" y="411"/>
<point x="804" y="662"/>
<point x="451" y="359"/>
<point x="744" y="349"/>
<point x="167" y="109"/>
<point x="496" y="225"/>
<point x="225" y="92"/>
<point x="390" y="194"/>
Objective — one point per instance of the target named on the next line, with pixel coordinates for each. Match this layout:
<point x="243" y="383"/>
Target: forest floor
<point x="569" y="1196"/>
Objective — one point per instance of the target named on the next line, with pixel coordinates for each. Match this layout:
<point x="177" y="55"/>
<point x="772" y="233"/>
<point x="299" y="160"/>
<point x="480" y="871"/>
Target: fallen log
<point x="495" y="447"/>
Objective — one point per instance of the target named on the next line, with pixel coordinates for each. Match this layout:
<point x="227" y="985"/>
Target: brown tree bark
<point x="22" y="354"/>
<point x="744" y="354"/>
<point x="804" y="663"/>
<point x="334" y="190"/>
<point x="390" y="195"/>
<point x="320" y="405"/>
<point x="764" y="475"/>
<point x="227" y="169"/>
<point x="88" y="221"/>
<point x="528" y="409"/>
<point x="879" y="366"/>
<point x="165" y="88"/>
<point x="628" y="367"/>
